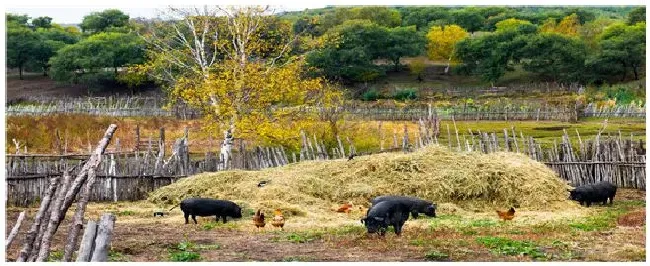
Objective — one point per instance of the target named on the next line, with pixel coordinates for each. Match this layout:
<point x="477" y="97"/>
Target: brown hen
<point x="258" y="219"/>
<point x="506" y="215"/>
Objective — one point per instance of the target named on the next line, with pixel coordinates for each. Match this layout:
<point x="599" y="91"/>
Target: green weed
<point x="436" y="256"/>
<point x="509" y="247"/>
<point x="184" y="252"/>
<point x="115" y="256"/>
<point x="125" y="213"/>
<point x="55" y="255"/>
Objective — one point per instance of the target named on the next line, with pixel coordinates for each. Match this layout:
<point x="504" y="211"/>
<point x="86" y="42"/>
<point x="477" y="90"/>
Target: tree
<point x="103" y="21"/>
<point x="50" y="40"/>
<point x="442" y="42"/>
<point x="21" y="45"/>
<point x="636" y="15"/>
<point x="221" y="62"/>
<point x="491" y="55"/>
<point x="468" y="18"/>
<point x="583" y="14"/>
<point x="380" y="15"/>
<point x="349" y="50"/>
<point x="42" y="22"/>
<point x="422" y="16"/>
<point x="510" y="24"/>
<point x="554" y="56"/>
<point x="624" y="45"/>
<point x="307" y="25"/>
<point x="401" y="42"/>
<point x="89" y="60"/>
<point x="568" y="26"/>
<point x="20" y="20"/>
<point x="417" y="67"/>
<point x="591" y="31"/>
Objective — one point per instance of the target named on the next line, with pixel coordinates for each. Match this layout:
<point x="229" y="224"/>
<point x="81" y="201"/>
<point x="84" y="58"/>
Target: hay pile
<point x="472" y="181"/>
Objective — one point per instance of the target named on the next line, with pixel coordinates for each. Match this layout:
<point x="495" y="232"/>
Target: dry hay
<point x="632" y="219"/>
<point x="468" y="181"/>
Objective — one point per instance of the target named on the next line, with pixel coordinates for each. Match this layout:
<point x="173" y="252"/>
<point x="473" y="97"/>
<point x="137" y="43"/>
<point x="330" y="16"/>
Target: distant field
<point x="39" y="132"/>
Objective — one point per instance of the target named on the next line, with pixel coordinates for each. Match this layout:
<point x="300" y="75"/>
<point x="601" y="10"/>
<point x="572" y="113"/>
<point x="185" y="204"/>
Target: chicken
<point x="506" y="215"/>
<point x="258" y="219"/>
<point x="346" y="208"/>
<point x="278" y="219"/>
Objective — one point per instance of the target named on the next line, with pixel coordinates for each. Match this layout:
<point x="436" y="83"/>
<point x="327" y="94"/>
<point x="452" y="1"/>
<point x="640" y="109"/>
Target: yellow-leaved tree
<point x="510" y="24"/>
<point x="569" y="25"/>
<point x="235" y="64"/>
<point x="441" y="42"/>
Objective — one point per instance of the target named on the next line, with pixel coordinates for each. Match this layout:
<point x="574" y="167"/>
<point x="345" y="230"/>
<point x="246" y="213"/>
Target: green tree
<point x="42" y="22"/>
<point x="590" y="32"/>
<point x="556" y="57"/>
<point x="349" y="50"/>
<point x="50" y="40"/>
<point x="636" y="15"/>
<point x="468" y="18"/>
<point x="20" y="20"/>
<point x="89" y="60"/>
<point x="624" y="45"/>
<point x="106" y="20"/>
<point x="491" y="55"/>
<point x="402" y="42"/>
<point x="22" y="42"/>
<point x="422" y="16"/>
<point x="380" y="15"/>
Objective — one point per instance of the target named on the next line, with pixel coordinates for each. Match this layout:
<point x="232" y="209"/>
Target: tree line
<point x="578" y="44"/>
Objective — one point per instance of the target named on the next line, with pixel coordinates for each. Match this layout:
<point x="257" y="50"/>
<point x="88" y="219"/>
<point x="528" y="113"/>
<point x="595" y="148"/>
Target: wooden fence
<point x="155" y="106"/>
<point x="132" y="175"/>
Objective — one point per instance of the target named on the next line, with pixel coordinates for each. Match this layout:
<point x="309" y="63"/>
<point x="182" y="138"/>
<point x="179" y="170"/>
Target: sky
<point x="73" y="11"/>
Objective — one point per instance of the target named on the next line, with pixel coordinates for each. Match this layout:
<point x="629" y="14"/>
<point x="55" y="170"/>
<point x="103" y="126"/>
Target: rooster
<point x="346" y="208"/>
<point x="506" y="215"/>
<point x="278" y="219"/>
<point x="258" y="219"/>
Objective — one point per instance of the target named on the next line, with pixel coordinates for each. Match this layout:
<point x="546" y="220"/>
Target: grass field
<point x="585" y="234"/>
<point x="39" y="131"/>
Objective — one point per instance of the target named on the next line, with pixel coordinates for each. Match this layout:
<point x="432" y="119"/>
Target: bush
<point x="405" y="94"/>
<point x="370" y="95"/>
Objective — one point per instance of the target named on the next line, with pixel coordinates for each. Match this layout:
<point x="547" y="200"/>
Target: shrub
<point x="370" y="95"/>
<point x="405" y="94"/>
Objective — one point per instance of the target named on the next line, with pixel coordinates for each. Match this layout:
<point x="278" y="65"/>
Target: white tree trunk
<point x="226" y="147"/>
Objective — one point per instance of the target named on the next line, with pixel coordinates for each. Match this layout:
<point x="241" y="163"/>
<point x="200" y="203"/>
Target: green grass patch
<point x="509" y="247"/>
<point x="300" y="237"/>
<point x="184" y="252"/>
<point x="125" y="213"/>
<point x="606" y="219"/>
<point x="55" y="255"/>
<point x="483" y="223"/>
<point x="115" y="256"/>
<point x="297" y="259"/>
<point x="436" y="256"/>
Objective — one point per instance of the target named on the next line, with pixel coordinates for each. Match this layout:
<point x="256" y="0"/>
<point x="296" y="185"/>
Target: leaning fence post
<point x="14" y="230"/>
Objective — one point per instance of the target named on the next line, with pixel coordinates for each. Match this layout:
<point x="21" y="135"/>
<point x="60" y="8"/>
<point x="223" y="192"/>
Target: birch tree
<point x="235" y="64"/>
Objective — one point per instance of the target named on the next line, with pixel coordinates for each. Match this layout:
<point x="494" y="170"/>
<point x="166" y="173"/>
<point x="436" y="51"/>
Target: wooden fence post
<point x="87" y="242"/>
<point x="104" y="236"/>
<point x="14" y="230"/>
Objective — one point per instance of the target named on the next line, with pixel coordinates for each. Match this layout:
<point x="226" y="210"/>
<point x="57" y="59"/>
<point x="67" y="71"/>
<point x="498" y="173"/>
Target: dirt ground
<point x="588" y="234"/>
